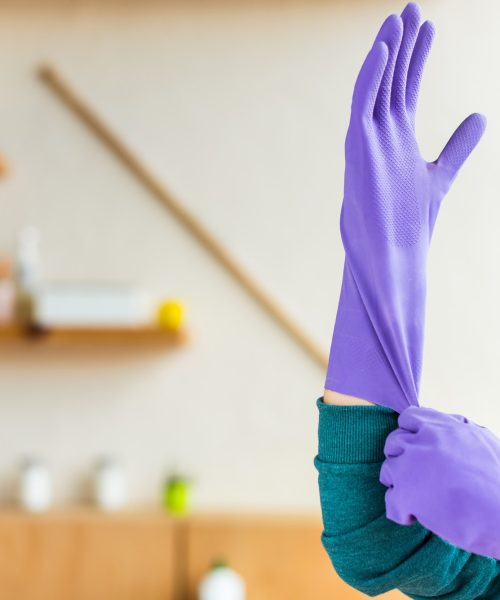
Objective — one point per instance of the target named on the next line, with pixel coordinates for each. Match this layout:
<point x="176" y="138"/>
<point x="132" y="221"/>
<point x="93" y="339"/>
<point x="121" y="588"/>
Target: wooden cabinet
<point x="86" y="555"/>
<point x="281" y="558"/>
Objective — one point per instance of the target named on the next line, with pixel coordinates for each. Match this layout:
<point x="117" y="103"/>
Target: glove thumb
<point x="461" y="144"/>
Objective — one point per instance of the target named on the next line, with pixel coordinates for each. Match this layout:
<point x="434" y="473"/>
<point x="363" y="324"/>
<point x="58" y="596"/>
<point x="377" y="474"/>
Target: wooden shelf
<point x="95" y="336"/>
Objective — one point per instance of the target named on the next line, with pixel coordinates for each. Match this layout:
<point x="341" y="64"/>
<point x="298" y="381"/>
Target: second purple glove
<point x="444" y="472"/>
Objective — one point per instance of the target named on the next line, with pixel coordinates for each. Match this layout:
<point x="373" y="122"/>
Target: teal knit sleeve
<point x="367" y="550"/>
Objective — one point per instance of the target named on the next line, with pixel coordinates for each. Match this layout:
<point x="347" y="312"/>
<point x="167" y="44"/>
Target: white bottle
<point x="110" y="485"/>
<point x="222" y="583"/>
<point x="28" y="259"/>
<point x="7" y="293"/>
<point x="35" y="492"/>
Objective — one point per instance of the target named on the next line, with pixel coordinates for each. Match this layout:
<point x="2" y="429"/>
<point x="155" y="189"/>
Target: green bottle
<point x="176" y="495"/>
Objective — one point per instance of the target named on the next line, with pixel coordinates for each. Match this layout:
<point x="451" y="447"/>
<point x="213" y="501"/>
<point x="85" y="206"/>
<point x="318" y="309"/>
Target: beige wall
<point x="242" y="111"/>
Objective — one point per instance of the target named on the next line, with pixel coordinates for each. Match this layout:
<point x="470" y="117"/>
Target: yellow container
<point x="171" y="315"/>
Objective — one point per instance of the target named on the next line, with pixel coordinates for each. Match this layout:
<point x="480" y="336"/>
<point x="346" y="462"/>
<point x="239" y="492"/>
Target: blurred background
<point x="153" y="413"/>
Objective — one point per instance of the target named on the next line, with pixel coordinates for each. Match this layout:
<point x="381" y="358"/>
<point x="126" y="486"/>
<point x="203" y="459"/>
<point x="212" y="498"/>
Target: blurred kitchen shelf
<point x="95" y="336"/>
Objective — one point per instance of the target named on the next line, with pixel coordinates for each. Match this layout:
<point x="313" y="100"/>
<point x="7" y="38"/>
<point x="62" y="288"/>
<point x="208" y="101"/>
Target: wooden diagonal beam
<point x="138" y="168"/>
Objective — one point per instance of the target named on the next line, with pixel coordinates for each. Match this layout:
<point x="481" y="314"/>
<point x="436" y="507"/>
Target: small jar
<point x="35" y="492"/>
<point x="110" y="485"/>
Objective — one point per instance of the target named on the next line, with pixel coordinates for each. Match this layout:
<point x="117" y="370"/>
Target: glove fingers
<point x="410" y="419"/>
<point x="462" y="143"/>
<point x="391" y="33"/>
<point x="394" y="509"/>
<point x="385" y="477"/>
<point x="417" y="63"/>
<point x="414" y="419"/>
<point x="396" y="442"/>
<point x="368" y="81"/>
<point x="411" y="25"/>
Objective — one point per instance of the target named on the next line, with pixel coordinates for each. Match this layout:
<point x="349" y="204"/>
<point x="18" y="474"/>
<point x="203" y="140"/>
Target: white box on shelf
<point x="91" y="305"/>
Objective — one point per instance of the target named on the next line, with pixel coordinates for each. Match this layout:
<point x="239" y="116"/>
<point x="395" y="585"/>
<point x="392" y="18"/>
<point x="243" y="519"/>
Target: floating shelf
<point x="96" y="336"/>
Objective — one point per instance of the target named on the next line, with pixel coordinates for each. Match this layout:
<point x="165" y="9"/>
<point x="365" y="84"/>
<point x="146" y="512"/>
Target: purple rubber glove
<point x="391" y="200"/>
<point x="444" y="472"/>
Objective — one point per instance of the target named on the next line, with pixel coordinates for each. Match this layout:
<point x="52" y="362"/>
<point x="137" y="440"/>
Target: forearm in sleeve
<point x="367" y="550"/>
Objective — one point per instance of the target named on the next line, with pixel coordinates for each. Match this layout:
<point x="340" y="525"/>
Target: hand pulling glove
<point x="391" y="200"/>
<point x="444" y="471"/>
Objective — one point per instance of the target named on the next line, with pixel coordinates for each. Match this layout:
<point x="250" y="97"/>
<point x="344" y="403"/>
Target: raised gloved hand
<point x="391" y="200"/>
<point x="444" y="471"/>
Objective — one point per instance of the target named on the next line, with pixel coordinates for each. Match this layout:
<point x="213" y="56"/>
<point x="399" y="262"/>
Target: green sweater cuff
<point x="353" y="434"/>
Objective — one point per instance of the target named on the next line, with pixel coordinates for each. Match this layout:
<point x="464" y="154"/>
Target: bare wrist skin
<point x="330" y="397"/>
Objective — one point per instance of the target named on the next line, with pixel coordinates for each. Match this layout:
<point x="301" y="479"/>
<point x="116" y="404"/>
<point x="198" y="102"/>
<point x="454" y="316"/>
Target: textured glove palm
<point x="391" y="200"/>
